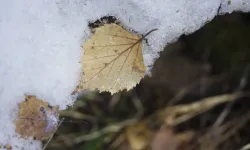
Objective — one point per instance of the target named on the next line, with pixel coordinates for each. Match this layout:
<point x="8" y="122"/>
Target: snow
<point x="234" y="5"/>
<point x="40" y="44"/>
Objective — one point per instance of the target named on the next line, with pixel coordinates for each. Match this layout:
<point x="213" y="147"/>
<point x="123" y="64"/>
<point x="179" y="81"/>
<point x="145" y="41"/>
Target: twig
<point x="215" y="130"/>
<point x="241" y="86"/>
<point x="211" y="141"/>
<point x="53" y="134"/>
<point x="238" y="125"/>
<point x="109" y="129"/>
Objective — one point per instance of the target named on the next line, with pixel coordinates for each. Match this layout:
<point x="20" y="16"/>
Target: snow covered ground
<point x="40" y="44"/>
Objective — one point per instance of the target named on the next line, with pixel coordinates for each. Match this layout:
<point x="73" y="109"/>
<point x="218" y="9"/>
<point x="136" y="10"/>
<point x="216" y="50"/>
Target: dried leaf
<point x="138" y="136"/>
<point x="166" y="139"/>
<point x="112" y="60"/>
<point x="31" y="121"/>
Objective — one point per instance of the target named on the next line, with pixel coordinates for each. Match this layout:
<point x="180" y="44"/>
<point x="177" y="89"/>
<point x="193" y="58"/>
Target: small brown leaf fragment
<point x="166" y="139"/>
<point x="31" y="121"/>
<point x="8" y="147"/>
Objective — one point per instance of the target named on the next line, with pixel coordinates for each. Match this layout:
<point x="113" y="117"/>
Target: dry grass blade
<point x="185" y="112"/>
<point x="246" y="147"/>
<point x="109" y="129"/>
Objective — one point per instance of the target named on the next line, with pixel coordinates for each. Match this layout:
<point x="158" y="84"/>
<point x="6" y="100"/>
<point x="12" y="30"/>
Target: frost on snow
<point x="40" y="44"/>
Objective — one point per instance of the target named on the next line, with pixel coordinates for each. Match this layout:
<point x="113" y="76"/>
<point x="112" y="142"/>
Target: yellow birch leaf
<point x="112" y="60"/>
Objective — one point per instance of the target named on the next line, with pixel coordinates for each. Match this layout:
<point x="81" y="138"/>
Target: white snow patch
<point x="40" y="44"/>
<point x="234" y="5"/>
